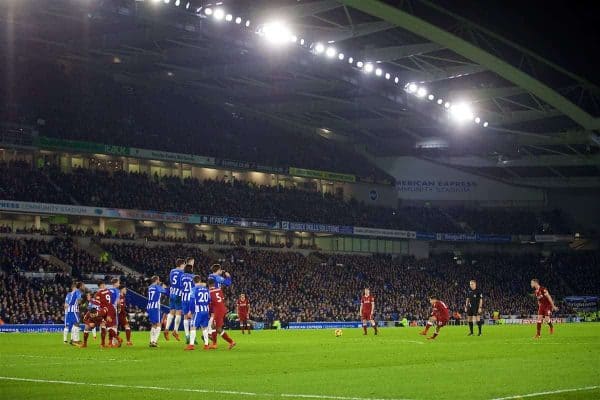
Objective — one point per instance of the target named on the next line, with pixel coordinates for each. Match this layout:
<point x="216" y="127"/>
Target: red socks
<point x="375" y="328"/>
<point x="365" y="329"/>
<point x="539" y="328"/>
<point x="103" y="336"/>
<point x="225" y="336"/>
<point x="128" y="334"/>
<point x="85" y="337"/>
<point x="213" y="337"/>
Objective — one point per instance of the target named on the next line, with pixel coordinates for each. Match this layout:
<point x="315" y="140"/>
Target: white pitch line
<point x="169" y="389"/>
<point x="519" y="396"/>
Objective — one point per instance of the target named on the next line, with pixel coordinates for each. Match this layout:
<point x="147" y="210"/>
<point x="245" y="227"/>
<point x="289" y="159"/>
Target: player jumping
<point x="545" y="307"/>
<point x="175" y="298"/>
<point x="440" y="316"/>
<point x="200" y="300"/>
<point x="367" y="309"/>
<point x="474" y="307"/>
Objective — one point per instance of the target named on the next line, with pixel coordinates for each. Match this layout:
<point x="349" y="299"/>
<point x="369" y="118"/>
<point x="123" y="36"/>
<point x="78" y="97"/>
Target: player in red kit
<point x="218" y="311"/>
<point x="92" y="318"/>
<point x="243" y="312"/>
<point x="545" y="307"/>
<point x="123" y="320"/>
<point x="102" y="298"/>
<point x="367" y="309"/>
<point x="440" y="315"/>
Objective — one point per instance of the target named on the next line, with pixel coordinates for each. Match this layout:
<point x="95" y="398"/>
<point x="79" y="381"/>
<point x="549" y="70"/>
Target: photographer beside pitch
<point x="474" y="307"/>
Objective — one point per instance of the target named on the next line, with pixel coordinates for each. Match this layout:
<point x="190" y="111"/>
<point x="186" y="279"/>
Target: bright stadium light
<point x="167" y="1"/>
<point x="378" y="72"/>
<point x="187" y="6"/>
<point x="238" y="20"/>
<point x="421" y="92"/>
<point x="276" y="32"/>
<point x="208" y="11"/>
<point x="461" y="112"/>
<point x="331" y="52"/>
<point x="341" y="56"/>
<point x="412" y="87"/>
<point x="387" y="76"/>
<point x="477" y="120"/>
<point x="219" y="14"/>
<point x="177" y="3"/>
<point x="350" y="60"/>
<point x="369" y="68"/>
<point x="485" y="124"/>
<point x="228" y="17"/>
<point x="359" y="64"/>
<point x="396" y="80"/>
<point x="319" y="48"/>
<point x="301" y="42"/>
<point x="447" y="104"/>
<point x="431" y="97"/>
<point x="247" y="23"/>
<point x="440" y="101"/>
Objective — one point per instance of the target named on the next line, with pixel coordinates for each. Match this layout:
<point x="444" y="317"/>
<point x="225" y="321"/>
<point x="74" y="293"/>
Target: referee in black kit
<point x="474" y="307"/>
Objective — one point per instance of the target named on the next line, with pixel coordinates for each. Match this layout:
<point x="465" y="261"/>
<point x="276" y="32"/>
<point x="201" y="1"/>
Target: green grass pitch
<point x="398" y="364"/>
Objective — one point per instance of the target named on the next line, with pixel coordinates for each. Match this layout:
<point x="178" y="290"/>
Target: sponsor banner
<point x="169" y="156"/>
<point x="317" y="228"/>
<point x="426" y="236"/>
<point x="474" y="237"/>
<point x="530" y="321"/>
<point x="80" y="146"/>
<point x="249" y="166"/>
<point x="241" y="222"/>
<point x="33" y="328"/>
<point x="435" y="186"/>
<point x="332" y="176"/>
<point x="553" y="238"/>
<point x="582" y="303"/>
<point x="324" y="325"/>
<point x="385" y="233"/>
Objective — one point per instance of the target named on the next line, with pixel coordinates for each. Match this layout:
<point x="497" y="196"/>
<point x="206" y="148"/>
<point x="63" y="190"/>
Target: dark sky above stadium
<point x="567" y="33"/>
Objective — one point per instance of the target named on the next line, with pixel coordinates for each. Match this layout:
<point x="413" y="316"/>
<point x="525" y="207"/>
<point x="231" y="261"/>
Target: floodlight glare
<point x="276" y="33"/>
<point x="228" y="17"/>
<point x="431" y="97"/>
<point x="238" y="20"/>
<point x="359" y="64"/>
<point x="301" y="42"/>
<point x="208" y="11"/>
<point x="341" y="56"/>
<point x="167" y="1"/>
<point x="412" y="88"/>
<point x="477" y="120"/>
<point x="187" y="6"/>
<point x="440" y="101"/>
<point x="378" y="72"/>
<point x="369" y="68"/>
<point x="294" y="38"/>
<point x="387" y="75"/>
<point x="177" y="3"/>
<point x="319" y="48"/>
<point x="447" y="104"/>
<point x="350" y="60"/>
<point x="461" y="112"/>
<point x="247" y="23"/>
<point x="485" y="124"/>
<point x="421" y="92"/>
<point x="396" y="80"/>
<point x="331" y="52"/>
<point x="219" y="14"/>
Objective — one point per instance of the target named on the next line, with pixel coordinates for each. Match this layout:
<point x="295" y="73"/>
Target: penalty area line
<point x="550" y="392"/>
<point x="170" y="389"/>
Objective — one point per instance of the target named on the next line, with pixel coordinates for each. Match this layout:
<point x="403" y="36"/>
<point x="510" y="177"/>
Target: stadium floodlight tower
<point x="461" y="112"/>
<point x="277" y="33"/>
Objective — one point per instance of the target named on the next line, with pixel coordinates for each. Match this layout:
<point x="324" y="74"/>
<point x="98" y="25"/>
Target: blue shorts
<point x="154" y="315"/>
<point x="200" y="320"/>
<point x="187" y="307"/>
<point x="175" y="302"/>
<point x="71" y="319"/>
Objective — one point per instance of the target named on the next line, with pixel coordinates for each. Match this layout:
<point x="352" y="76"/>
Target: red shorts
<point x="123" y="322"/>
<point x="243" y="317"/>
<point x="219" y="318"/>
<point x="366" y="316"/>
<point x="441" y="322"/>
<point x="112" y="314"/>
<point x="545" y="311"/>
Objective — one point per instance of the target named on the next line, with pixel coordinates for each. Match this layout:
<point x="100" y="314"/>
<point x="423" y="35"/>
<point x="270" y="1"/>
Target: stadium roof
<point x="532" y="105"/>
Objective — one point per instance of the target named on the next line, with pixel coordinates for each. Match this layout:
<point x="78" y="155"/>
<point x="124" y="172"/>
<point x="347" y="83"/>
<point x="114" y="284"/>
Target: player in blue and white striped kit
<point x="72" y="300"/>
<point x="175" y="298"/>
<point x="187" y="283"/>
<point x="200" y="299"/>
<point x="217" y="276"/>
<point x="153" y="308"/>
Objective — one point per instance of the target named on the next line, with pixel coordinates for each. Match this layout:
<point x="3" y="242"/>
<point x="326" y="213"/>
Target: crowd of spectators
<point x="243" y="199"/>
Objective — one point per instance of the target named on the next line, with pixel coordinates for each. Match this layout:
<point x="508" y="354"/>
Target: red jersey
<point x="243" y="306"/>
<point x="217" y="300"/>
<point x="102" y="296"/>
<point x="441" y="311"/>
<point x="97" y="320"/>
<point x="122" y="307"/>
<point x="543" y="301"/>
<point x="367" y="304"/>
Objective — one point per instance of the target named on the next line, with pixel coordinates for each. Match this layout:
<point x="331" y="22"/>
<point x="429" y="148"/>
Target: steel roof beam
<point x="397" y="52"/>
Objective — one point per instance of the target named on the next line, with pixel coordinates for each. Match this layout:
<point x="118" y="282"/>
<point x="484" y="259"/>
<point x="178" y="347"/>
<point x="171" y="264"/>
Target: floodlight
<point x="359" y="64"/>
<point x="461" y="112"/>
<point x="421" y="92"/>
<point x="276" y="32"/>
<point x="177" y="2"/>
<point x="167" y="1"/>
<point x="378" y="72"/>
<point x="187" y="6"/>
<point x="485" y="124"/>
<point x="396" y="80"/>
<point x="341" y="56"/>
<point x="319" y="48"/>
<point x="431" y="97"/>
<point x="219" y="14"/>
<point x="247" y="23"/>
<point x="301" y="42"/>
<point x="412" y="87"/>
<point x="208" y="11"/>
<point x="440" y="101"/>
<point x="238" y="20"/>
<point x="447" y="104"/>
<point x="350" y="60"/>
<point x="477" y="120"/>
<point x="331" y="52"/>
<point x="369" y="68"/>
<point x="228" y="17"/>
<point x="387" y="75"/>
